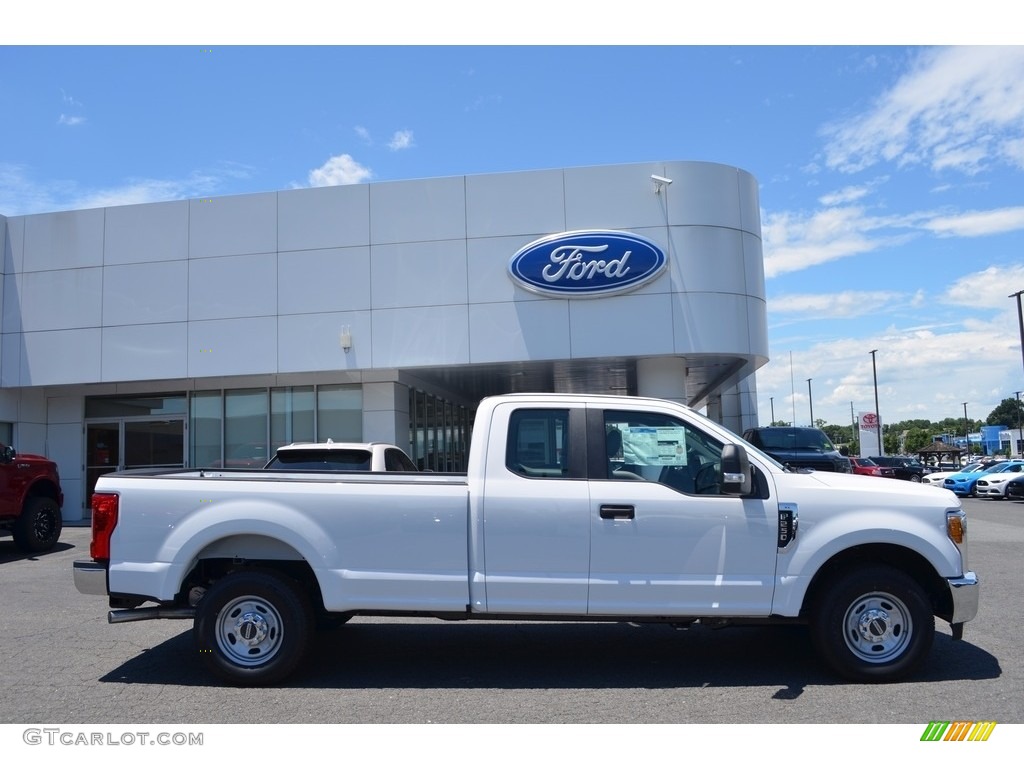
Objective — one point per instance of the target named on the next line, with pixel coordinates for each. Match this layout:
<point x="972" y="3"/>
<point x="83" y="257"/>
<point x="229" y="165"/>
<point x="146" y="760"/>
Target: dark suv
<point x="906" y="468"/>
<point x="799" y="447"/>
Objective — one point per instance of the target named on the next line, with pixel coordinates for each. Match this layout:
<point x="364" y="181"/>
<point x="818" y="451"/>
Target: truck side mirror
<point x="7" y="454"/>
<point x="736" y="477"/>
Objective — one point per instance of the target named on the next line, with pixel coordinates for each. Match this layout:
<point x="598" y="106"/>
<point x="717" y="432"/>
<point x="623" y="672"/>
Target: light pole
<point x="1020" y="321"/>
<point x="967" y="434"/>
<point x="878" y="419"/>
<point x="1020" y="432"/>
<point x="810" y="401"/>
<point x="772" y="401"/>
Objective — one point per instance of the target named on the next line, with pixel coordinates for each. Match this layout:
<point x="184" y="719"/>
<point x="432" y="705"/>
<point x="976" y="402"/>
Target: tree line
<point x="908" y="437"/>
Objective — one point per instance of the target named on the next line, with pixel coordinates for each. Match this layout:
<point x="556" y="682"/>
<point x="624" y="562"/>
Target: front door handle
<point x="617" y="512"/>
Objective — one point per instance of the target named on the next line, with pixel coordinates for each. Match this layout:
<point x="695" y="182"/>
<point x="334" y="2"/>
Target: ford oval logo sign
<point x="586" y="263"/>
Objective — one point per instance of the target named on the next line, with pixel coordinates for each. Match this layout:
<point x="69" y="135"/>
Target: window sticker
<point x="654" y="446"/>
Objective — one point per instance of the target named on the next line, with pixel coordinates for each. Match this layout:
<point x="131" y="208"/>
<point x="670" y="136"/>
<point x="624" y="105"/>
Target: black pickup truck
<point x="799" y="448"/>
<point x="906" y="468"/>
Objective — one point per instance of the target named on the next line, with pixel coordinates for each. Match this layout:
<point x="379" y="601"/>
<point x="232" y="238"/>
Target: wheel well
<point x="209" y="570"/>
<point x="901" y="558"/>
<point x="44" y="489"/>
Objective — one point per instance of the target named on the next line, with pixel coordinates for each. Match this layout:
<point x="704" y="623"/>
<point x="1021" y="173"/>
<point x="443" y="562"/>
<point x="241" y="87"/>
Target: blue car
<point x="963" y="483"/>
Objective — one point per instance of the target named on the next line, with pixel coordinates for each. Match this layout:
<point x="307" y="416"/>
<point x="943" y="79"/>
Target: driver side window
<point x="659" y="448"/>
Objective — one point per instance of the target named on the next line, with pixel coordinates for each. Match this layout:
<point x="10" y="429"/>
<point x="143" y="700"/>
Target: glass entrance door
<point x="102" y="454"/>
<point x="132" y="443"/>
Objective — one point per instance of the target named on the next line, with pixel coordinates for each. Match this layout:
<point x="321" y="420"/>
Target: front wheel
<point x="873" y="625"/>
<point x="253" y="627"/>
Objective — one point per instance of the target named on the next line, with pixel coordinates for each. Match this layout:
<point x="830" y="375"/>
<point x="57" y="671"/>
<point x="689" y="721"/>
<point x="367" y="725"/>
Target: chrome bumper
<point x="90" y="577"/>
<point x="964" y="591"/>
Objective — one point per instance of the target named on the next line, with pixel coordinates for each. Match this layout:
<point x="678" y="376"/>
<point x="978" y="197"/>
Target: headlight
<point x="956" y="526"/>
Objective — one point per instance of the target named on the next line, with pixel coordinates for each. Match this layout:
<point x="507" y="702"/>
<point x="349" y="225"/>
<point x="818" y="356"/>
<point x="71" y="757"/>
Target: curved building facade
<point x="207" y="332"/>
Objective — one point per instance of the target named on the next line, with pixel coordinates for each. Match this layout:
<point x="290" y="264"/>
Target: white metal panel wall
<point x="416" y="270"/>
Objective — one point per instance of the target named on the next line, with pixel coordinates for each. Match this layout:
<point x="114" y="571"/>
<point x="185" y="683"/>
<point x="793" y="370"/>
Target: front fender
<point x="820" y="540"/>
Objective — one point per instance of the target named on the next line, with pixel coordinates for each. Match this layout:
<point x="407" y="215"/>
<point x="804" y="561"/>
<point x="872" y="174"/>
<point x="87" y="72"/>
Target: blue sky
<point x="891" y="177"/>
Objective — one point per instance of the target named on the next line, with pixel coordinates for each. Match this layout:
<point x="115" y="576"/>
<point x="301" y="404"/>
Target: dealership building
<point x="207" y="332"/>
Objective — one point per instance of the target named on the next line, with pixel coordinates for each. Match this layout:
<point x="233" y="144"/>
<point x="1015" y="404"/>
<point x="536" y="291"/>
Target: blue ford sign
<point x="586" y="263"/>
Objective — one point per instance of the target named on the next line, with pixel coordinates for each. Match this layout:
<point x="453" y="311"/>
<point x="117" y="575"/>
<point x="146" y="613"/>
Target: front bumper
<point x="989" y="490"/>
<point x="964" y="592"/>
<point x="90" y="577"/>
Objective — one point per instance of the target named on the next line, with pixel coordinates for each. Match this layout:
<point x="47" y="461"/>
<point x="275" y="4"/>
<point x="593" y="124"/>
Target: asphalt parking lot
<point x="63" y="663"/>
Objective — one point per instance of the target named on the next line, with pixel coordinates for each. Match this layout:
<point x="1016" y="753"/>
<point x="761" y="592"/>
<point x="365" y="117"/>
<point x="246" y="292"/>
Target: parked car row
<point x="984" y="481"/>
<point x="904" y="468"/>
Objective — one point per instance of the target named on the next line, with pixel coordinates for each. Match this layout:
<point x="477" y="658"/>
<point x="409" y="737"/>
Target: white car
<point x="992" y="485"/>
<point x="342" y="457"/>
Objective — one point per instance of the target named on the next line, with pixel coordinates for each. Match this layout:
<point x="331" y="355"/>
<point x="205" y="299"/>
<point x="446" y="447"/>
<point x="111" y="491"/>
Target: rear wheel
<point x="253" y="627"/>
<point x="39" y="526"/>
<point x="873" y="625"/>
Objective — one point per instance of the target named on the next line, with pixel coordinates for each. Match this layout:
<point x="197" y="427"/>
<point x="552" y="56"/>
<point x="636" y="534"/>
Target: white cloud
<point x="959" y="108"/>
<point x="845" y="304"/>
<point x="989" y="288"/>
<point x="844" y="196"/>
<point x="70" y="120"/>
<point x="401" y="140"/>
<point x="921" y="373"/>
<point x="363" y="134"/>
<point x="340" y="169"/>
<point x="67" y="98"/>
<point x="976" y="223"/>
<point x="793" y="242"/>
<point x="137" y="191"/>
<point x="20" y="194"/>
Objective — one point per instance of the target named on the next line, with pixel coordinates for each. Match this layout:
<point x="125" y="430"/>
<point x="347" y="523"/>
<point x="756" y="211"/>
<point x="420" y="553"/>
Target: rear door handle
<point x="617" y="512"/>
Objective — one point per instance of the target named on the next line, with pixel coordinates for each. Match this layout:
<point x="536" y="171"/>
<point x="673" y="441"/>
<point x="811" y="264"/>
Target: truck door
<point x="664" y="540"/>
<point x="534" y="533"/>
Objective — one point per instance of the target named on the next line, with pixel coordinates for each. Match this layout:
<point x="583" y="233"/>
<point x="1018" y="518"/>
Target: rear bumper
<point x="964" y="591"/>
<point x="90" y="577"/>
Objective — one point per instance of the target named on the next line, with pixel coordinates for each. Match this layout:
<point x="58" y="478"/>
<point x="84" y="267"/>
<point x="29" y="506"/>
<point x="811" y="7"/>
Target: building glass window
<point x="125" y="406"/>
<point x="291" y="416"/>
<point x="6" y="433"/>
<point x="339" y="414"/>
<point x="205" y="431"/>
<point x="245" y="428"/>
<point x="438" y="433"/>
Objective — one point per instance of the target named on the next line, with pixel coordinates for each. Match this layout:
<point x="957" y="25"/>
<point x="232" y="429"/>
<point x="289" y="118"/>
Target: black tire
<point x="39" y="526"/>
<point x="253" y="628"/>
<point x="873" y="625"/>
<point x="915" y="478"/>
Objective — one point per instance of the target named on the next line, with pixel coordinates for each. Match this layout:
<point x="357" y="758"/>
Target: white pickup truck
<point x="574" y="507"/>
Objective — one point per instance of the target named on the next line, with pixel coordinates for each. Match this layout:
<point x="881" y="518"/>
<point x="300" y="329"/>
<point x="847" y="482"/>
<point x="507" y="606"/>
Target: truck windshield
<point x="795" y="439"/>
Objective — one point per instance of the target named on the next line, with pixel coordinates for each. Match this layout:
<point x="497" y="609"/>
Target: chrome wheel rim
<point x="249" y="631"/>
<point x="877" y="627"/>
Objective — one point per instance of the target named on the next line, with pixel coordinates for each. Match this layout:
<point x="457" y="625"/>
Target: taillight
<point x="104" y="518"/>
